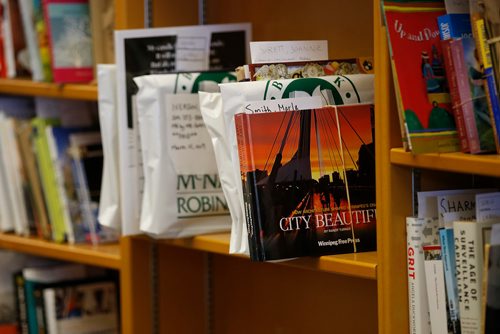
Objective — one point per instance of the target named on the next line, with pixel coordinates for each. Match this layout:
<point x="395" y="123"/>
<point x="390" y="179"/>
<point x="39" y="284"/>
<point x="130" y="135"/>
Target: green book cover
<point x="48" y="177"/>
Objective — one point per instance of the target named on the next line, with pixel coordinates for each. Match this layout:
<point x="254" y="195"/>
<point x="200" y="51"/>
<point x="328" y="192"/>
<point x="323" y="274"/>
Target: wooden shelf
<point x="361" y="265"/>
<point x="488" y="165"/>
<point x="103" y="255"/>
<point x="65" y="91"/>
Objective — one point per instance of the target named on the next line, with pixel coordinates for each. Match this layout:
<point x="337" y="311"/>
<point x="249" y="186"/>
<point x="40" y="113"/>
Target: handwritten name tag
<point x="288" y="51"/>
<point x="298" y="103"/>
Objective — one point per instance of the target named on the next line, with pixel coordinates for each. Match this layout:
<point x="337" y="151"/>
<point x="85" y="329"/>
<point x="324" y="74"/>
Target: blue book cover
<point x="454" y="26"/>
<point x="448" y="256"/>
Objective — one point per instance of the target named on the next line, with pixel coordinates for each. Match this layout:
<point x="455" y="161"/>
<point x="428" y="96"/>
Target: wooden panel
<point x="102" y="256"/>
<point x="135" y="285"/>
<point x="346" y="24"/>
<point x="358" y="265"/>
<point x="169" y="13"/>
<point x="394" y="197"/>
<point x="65" y="91"/>
<point x="181" y="290"/>
<point x="488" y="165"/>
<point x="253" y="298"/>
<point x="129" y="14"/>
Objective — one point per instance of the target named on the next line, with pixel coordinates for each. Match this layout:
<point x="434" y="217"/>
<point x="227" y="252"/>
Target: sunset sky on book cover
<point x="299" y="197"/>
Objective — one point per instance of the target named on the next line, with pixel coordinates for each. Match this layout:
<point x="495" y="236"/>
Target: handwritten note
<point x="288" y="51"/>
<point x="292" y="104"/>
<point x="188" y="139"/>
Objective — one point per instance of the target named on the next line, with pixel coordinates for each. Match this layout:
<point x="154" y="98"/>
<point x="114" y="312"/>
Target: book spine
<point x="434" y="277"/>
<point x="470" y="271"/>
<point x="82" y="191"/>
<point x="490" y="84"/>
<point x="26" y="7"/>
<point x="448" y="257"/>
<point x="456" y="102"/>
<point x="40" y="310"/>
<point x="21" y="302"/>
<point x="457" y="52"/>
<point x="30" y="287"/>
<point x="42" y="38"/>
<point x="49" y="298"/>
<point x="417" y="294"/>
<point x="249" y="189"/>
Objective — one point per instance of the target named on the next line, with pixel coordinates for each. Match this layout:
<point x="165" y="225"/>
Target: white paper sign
<point x="298" y="103"/>
<point x="288" y="51"/>
<point x="187" y="137"/>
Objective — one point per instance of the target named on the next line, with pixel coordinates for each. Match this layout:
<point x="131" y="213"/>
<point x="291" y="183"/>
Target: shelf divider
<point x="32" y="88"/>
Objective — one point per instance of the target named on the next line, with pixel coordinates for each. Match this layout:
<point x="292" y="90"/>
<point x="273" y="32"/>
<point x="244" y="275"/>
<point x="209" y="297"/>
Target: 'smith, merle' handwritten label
<point x="288" y="51"/>
<point x="292" y="104"/>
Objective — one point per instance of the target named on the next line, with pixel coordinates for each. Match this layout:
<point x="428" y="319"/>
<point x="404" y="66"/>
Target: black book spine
<point x="22" y="317"/>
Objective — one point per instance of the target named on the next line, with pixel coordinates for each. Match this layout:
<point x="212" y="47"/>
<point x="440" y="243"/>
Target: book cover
<point x="155" y="51"/>
<point x="473" y="100"/>
<point x="308" y="181"/>
<point x="42" y="37"/>
<point x="48" y="177"/>
<point x="27" y="16"/>
<point x="492" y="309"/>
<point x="24" y="136"/>
<point x="447" y="242"/>
<point x="82" y="308"/>
<point x="488" y="208"/>
<point x="70" y="40"/>
<point x="420" y="232"/>
<point x="419" y="76"/>
<point x="436" y="292"/>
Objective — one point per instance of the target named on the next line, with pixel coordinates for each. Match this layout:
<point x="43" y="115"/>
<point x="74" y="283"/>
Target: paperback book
<point x="308" y="181"/>
<point x="419" y="76"/>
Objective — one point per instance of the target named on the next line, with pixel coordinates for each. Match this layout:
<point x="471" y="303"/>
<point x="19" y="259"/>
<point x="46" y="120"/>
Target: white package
<point x="334" y="90"/>
<point x="109" y="203"/>
<point x="182" y="191"/>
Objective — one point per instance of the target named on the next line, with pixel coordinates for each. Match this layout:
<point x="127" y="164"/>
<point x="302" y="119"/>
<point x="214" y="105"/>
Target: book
<point x="486" y="68"/>
<point x="419" y="76"/>
<point x="48" y="177"/>
<point x="70" y="40"/>
<point x="492" y="25"/>
<point x="27" y="16"/>
<point x="24" y="136"/>
<point x="492" y="308"/>
<point x="311" y="193"/>
<point x="42" y="36"/>
<point x="82" y="308"/>
<point x="436" y="292"/>
<point x="19" y="52"/>
<point x="163" y="50"/>
<point x="420" y="232"/>
<point x="86" y="156"/>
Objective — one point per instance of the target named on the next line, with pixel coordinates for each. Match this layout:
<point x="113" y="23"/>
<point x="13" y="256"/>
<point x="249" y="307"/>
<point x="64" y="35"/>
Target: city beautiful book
<point x="421" y="88"/>
<point x="308" y="181"/>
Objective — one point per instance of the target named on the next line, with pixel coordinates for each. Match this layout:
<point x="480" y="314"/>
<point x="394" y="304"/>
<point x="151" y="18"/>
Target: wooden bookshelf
<point x="64" y="91"/>
<point x="361" y="265"/>
<point x="488" y="165"/>
<point x="108" y="256"/>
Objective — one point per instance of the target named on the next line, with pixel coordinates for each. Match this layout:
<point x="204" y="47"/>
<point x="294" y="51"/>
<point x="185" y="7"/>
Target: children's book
<point x="419" y="75"/>
<point x="308" y="181"/>
<point x="70" y="40"/>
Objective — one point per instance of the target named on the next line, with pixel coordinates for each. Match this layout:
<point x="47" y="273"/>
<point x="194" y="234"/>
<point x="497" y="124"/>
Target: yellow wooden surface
<point x="358" y="265"/>
<point x="488" y="165"/>
<point x="393" y="197"/>
<point x="108" y="256"/>
<point x="129" y="14"/>
<point x="347" y="25"/>
<point x="250" y="297"/>
<point x="136" y="291"/>
<point x="31" y="88"/>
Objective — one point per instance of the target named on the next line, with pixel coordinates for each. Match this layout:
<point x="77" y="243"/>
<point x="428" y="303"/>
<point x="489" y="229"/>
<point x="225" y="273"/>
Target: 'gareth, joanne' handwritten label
<point x="288" y="51"/>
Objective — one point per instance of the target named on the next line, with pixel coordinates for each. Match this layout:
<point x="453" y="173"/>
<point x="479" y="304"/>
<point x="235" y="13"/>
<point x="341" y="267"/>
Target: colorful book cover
<point x="472" y="101"/>
<point x="419" y="75"/>
<point x="48" y="177"/>
<point x="308" y="181"/>
<point x="43" y="40"/>
<point x="70" y="39"/>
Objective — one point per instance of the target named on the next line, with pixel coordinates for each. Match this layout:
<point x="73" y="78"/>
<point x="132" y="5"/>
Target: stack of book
<point x="54" y="40"/>
<point x="50" y="170"/>
<point x="446" y="68"/>
<point x="452" y="280"/>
